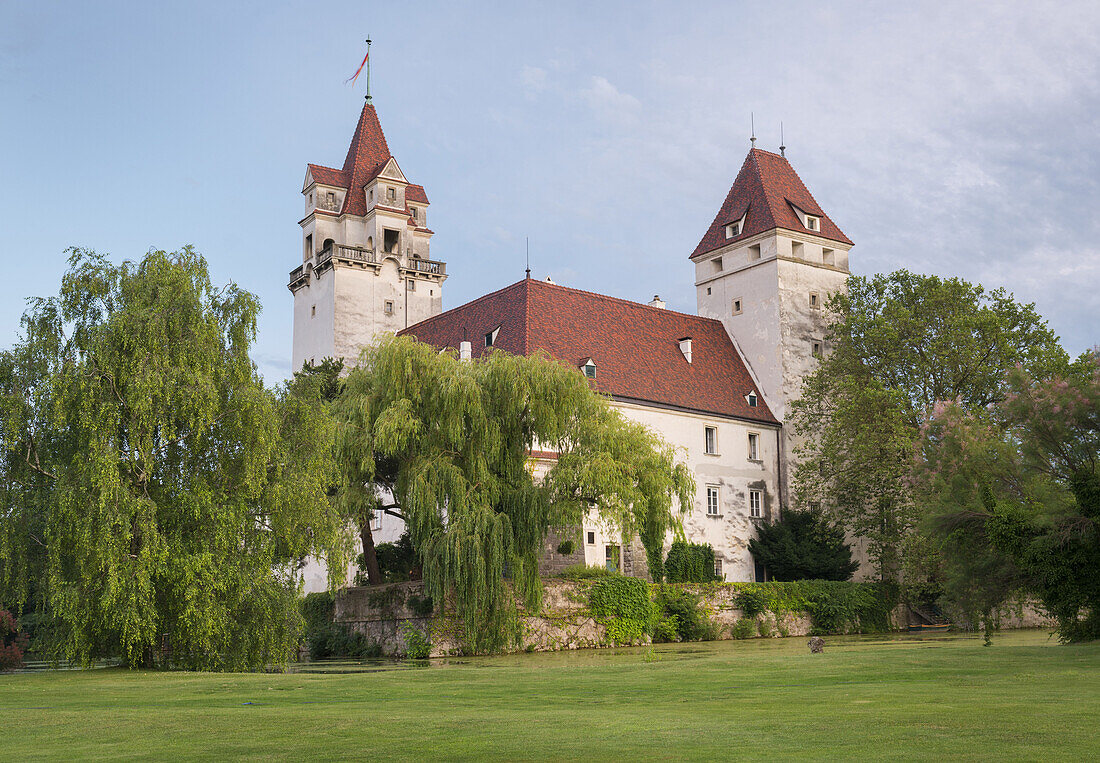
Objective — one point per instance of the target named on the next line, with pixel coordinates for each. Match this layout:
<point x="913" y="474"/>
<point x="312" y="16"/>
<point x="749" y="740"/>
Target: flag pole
<point x="368" y="69"/>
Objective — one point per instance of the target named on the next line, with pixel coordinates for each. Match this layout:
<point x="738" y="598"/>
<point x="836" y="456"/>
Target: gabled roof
<point x="635" y="347"/>
<point x="766" y="192"/>
<point x="327" y="176"/>
<point x="416" y="193"/>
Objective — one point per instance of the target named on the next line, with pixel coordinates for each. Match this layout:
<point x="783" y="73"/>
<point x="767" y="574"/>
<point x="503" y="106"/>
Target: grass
<point x="897" y="697"/>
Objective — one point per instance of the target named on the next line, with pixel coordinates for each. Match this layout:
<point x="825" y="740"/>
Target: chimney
<point x="685" y="347"/>
<point x="465" y="351"/>
<point x="657" y="302"/>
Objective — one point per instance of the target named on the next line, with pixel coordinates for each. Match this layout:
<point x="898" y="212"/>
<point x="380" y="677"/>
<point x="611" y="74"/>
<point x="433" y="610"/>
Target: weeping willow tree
<point x="450" y="441"/>
<point x="155" y="493"/>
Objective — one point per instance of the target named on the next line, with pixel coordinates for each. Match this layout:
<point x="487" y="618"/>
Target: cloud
<point x="533" y="79"/>
<point x="608" y="102"/>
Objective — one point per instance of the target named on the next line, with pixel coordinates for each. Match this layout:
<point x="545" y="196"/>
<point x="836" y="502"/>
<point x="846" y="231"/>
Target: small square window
<point x="733" y="229"/>
<point x="412" y="285"/>
<point x="755" y="504"/>
<point x="815" y="300"/>
<point x="413" y="210"/>
<point x="754" y="446"/>
<point x="312" y="311"/>
<point x="751" y="399"/>
<point x="718" y="568"/>
<point x="708" y="291"/>
<point x="311" y="198"/>
<point x="812" y="223"/>
<point x="712" y="500"/>
<point x="590" y="370"/>
<point x="331" y="197"/>
<point x="491" y="337"/>
<point x="391" y="194"/>
<point x="737" y="306"/>
<point x="815" y="348"/>
<point x="754" y="252"/>
<point x="591" y="538"/>
<point x="711" y="440"/>
<point x="389" y="307"/>
<point x="370" y="195"/>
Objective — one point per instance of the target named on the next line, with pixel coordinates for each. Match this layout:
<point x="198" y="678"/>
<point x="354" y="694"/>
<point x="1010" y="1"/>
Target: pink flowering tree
<point x="1014" y="492"/>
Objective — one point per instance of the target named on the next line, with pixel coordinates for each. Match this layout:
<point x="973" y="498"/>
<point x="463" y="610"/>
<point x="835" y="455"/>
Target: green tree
<point x="154" y="488"/>
<point x="1021" y="482"/>
<point x="803" y="545"/>
<point x="900" y="343"/>
<point x="450" y="441"/>
<point x="689" y="563"/>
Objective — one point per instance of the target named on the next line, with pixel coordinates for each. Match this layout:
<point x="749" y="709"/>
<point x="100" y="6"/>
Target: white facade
<point x="769" y="291"/>
<point x="361" y="276"/>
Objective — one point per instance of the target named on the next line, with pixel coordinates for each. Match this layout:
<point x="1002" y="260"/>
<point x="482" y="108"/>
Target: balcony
<point x="343" y="253"/>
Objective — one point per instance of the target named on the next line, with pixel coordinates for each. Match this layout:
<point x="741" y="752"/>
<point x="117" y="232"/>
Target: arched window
<point x="327" y="245"/>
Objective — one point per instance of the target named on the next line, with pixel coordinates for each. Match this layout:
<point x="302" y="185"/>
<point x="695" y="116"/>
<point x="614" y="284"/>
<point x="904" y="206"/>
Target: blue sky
<point x="943" y="141"/>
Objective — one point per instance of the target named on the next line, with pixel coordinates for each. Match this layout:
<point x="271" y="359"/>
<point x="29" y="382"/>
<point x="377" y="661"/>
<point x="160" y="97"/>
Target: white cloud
<point x="608" y="102"/>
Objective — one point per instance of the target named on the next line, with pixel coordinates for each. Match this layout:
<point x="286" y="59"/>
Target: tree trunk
<point x="370" y="557"/>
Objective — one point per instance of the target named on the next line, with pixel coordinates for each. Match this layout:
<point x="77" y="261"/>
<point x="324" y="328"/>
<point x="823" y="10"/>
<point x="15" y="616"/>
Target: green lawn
<point x="897" y="697"/>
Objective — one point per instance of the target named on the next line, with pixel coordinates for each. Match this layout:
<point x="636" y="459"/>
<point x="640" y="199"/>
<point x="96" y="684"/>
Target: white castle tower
<point x="365" y="266"/>
<point x="766" y="266"/>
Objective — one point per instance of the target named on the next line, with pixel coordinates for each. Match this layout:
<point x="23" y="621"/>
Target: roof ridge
<point x="632" y="303"/>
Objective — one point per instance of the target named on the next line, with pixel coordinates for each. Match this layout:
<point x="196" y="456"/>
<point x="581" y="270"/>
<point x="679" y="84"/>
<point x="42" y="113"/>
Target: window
<point x="311" y="198"/>
<point x="391" y="239"/>
<point x="812" y="223"/>
<point x="751" y="399"/>
<point x="312" y="310"/>
<point x="413" y="210"/>
<point x="391" y="194"/>
<point x="711" y="440"/>
<point x="718" y="568"/>
<point x="712" y="501"/>
<point x="815" y="300"/>
<point x="708" y="291"/>
<point x="491" y="337"/>
<point x="370" y="195"/>
<point x="376" y="521"/>
<point x="717" y="264"/>
<point x="331" y="198"/>
<point x="760" y="573"/>
<point x="412" y="285"/>
<point x="754" y="252"/>
<point x="591" y="538"/>
<point x="796" y="249"/>
<point x="733" y="229"/>
<point x="828" y="256"/>
<point x="737" y="306"/>
<point x="755" y="504"/>
<point x="590" y="369"/>
<point x="611" y="557"/>
<point x="815" y="349"/>
<point x="754" y="446"/>
<point x="388" y="309"/>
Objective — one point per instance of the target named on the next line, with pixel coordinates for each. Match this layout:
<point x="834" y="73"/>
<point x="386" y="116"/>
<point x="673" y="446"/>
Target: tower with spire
<point x="766" y="267"/>
<point x="366" y="268"/>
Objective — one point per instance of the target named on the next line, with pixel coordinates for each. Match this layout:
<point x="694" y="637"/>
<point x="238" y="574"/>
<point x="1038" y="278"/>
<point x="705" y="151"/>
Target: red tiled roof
<point x="763" y="192"/>
<point x="367" y="156"/>
<point x="327" y="176"/>
<point x="635" y="347"/>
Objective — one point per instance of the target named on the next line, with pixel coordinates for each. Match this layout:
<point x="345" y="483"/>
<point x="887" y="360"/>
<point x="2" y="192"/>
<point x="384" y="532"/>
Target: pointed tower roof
<point x="367" y="155"/>
<point x="767" y="192"/>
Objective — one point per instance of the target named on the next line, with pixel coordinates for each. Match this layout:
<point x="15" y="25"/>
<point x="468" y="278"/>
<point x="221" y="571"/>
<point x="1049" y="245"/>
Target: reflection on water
<point x="637" y="654"/>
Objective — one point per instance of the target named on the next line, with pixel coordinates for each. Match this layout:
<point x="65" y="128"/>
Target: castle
<point x="716" y="385"/>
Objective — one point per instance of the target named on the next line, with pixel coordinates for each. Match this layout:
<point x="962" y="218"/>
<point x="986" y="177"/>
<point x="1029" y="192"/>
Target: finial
<point x="782" y="140"/>
<point x="528" y="257"/>
<point x="368" y="69"/>
<point x="752" y="123"/>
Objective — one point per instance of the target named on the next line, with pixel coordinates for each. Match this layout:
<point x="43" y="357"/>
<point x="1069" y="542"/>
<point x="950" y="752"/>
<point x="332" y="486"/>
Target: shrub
<point x="13" y="642"/>
<point x="417" y="645"/>
<point x="683" y="608"/>
<point x="803" y="545"/>
<point x="764" y="627"/>
<point x="752" y="601"/>
<point x="667" y="630"/>
<point x="624" y="606"/>
<point x="743" y="628"/>
<point x="690" y="563"/>
<point x="421" y="606"/>
<point x="584" y="572"/>
<point x="396" y="561"/>
<point x="565" y="548"/>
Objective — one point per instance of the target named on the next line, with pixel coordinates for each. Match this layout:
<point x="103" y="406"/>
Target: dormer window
<point x="685" y="348"/>
<point x="813" y="223"/>
<point x="589" y="368"/>
<point x="414" y="213"/>
<point x="734" y="229"/>
<point x="331" y="198"/>
<point x="752" y="400"/>
<point x="491" y="337"/>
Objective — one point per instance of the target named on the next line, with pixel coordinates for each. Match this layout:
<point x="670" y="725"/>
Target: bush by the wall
<point x="585" y="572"/>
<point x="690" y="563"/>
<point x="417" y="645"/>
<point x="833" y="606"/>
<point x="624" y="606"/>
<point x="683" y="609"/>
<point x="752" y="601"/>
<point x="743" y="628"/>
<point x="13" y="642"/>
<point x="565" y="548"/>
